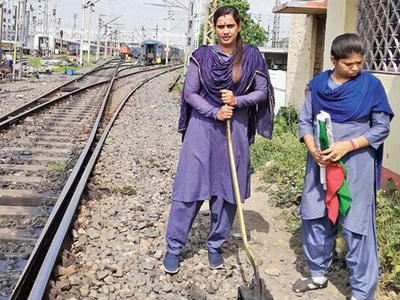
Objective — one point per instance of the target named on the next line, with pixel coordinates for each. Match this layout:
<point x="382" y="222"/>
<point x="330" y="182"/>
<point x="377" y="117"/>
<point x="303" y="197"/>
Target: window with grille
<point x="378" y="24"/>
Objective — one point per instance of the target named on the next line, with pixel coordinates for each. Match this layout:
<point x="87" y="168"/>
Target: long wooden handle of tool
<point x="237" y="195"/>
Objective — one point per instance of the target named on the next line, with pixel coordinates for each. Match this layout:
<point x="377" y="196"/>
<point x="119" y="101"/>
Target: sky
<point x="137" y="13"/>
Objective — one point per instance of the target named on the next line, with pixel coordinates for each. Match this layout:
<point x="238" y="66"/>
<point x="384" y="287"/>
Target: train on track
<point x="60" y="46"/>
<point x="148" y="52"/>
<point x="152" y="52"/>
<point x="155" y="52"/>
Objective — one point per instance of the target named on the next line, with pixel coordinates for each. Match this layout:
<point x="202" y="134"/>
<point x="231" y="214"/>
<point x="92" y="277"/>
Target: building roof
<point x="273" y="50"/>
<point x="302" y="7"/>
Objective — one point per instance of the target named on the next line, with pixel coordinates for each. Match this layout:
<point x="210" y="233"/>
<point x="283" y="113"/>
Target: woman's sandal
<point x="307" y="284"/>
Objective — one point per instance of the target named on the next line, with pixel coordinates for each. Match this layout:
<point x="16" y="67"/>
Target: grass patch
<point x="32" y="78"/>
<point x="55" y="168"/>
<point x="125" y="189"/>
<point x="178" y="86"/>
<point x="388" y="235"/>
<point x="61" y="57"/>
<point x="62" y="69"/>
<point x="282" y="160"/>
<point x="35" y="61"/>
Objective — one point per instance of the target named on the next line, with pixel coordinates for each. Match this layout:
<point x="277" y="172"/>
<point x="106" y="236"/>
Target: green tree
<point x="251" y="32"/>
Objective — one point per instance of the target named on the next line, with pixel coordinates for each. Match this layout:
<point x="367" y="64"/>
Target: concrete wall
<point x="320" y="44"/>
<point x="392" y="144"/>
<point x="278" y="80"/>
<point x="341" y="18"/>
<point x="300" y="58"/>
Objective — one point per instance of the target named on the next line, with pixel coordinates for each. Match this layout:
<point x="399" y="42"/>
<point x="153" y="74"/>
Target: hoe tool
<point x="257" y="289"/>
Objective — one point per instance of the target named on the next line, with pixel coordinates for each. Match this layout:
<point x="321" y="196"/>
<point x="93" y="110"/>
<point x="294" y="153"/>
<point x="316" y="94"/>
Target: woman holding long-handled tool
<point x="227" y="81"/>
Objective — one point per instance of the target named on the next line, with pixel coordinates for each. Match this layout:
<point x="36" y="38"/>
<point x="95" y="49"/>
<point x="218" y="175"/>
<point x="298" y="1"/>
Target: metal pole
<point x="116" y="43"/>
<point x="21" y="38"/>
<point x="16" y="38"/>
<point x="1" y="30"/>
<point x="106" y="41"/>
<point x="195" y="25"/>
<point x="82" y="33"/>
<point x="105" y="33"/>
<point x="74" y="28"/>
<point x="54" y="25"/>
<point x="205" y="23"/>
<point x="167" y="50"/>
<point x="46" y="27"/>
<point x="112" y="43"/>
<point x="98" y="41"/>
<point x="215" y="5"/>
<point x="90" y="29"/>
<point x="189" y="36"/>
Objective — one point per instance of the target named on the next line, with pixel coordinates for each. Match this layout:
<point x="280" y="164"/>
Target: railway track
<point x="45" y="160"/>
<point x="98" y="75"/>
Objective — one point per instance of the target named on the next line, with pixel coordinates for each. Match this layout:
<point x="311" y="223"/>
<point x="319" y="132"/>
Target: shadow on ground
<point x="197" y="240"/>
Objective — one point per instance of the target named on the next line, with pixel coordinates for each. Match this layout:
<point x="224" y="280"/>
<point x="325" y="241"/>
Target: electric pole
<point x="82" y="33"/>
<point x="46" y="27"/>
<point x="275" y="31"/>
<point x="195" y="24"/>
<point x="106" y="42"/>
<point x="205" y="23"/>
<point x="90" y="5"/>
<point x="167" y="48"/>
<point x="74" y="28"/>
<point x="90" y="29"/>
<point x="112" y="38"/>
<point x="54" y="21"/>
<point x="1" y="30"/>
<point x="19" y="37"/>
<point x="98" y="39"/>
<point x="209" y="30"/>
<point x="105" y="33"/>
<point x="188" y="47"/>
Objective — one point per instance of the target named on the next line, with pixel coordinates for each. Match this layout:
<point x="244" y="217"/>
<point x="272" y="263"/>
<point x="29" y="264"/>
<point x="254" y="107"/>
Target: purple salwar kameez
<point x="203" y="171"/>
<point x="203" y="168"/>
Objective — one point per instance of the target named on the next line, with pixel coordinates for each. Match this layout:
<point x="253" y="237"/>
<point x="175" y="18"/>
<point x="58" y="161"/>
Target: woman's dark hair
<point x="346" y="44"/>
<point x="237" y="56"/>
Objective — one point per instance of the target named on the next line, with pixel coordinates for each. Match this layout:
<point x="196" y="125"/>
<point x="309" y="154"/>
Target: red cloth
<point x="335" y="175"/>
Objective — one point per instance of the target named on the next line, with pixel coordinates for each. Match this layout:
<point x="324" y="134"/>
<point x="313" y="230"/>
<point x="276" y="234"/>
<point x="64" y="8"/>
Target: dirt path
<point x="279" y="252"/>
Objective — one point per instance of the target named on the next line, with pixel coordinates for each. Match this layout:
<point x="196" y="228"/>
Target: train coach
<point x="154" y="52"/>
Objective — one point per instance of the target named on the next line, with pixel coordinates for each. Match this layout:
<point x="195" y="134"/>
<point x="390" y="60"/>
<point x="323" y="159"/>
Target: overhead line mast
<point x="208" y="29"/>
<point x="276" y="28"/>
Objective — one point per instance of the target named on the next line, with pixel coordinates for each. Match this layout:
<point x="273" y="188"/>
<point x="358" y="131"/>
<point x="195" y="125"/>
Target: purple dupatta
<point x="216" y="74"/>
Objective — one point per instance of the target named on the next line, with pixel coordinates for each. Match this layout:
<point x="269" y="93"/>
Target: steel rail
<point x="34" y="109"/>
<point x="26" y="280"/>
<point x="45" y="271"/>
<point x="26" y="106"/>
<point x="28" y="276"/>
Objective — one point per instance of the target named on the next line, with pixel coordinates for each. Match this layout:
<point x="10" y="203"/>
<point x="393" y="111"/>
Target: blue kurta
<point x="203" y="170"/>
<point x="361" y="166"/>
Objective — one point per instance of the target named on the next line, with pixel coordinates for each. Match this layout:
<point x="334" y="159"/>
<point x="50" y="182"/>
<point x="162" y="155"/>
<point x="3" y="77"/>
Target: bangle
<point x="354" y="144"/>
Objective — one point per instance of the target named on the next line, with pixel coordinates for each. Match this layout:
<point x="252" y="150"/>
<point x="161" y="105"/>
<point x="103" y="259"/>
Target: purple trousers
<point x="181" y="219"/>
